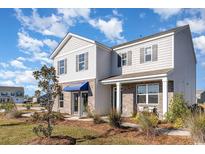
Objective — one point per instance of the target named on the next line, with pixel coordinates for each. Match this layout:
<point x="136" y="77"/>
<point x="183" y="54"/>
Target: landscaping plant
<point x="196" y="123"/>
<point x="8" y="106"/>
<point x="50" y="89"/>
<point x="97" y="119"/>
<point x="115" y="119"/>
<point x="177" y="109"/>
<point x="28" y="106"/>
<point x="148" y="122"/>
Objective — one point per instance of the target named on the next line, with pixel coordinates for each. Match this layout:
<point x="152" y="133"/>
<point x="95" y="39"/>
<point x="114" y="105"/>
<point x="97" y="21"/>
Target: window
<point x="19" y="94"/>
<point x="124" y="59"/>
<point x="148" y="54"/>
<point x="148" y="93"/>
<point x="141" y="94"/>
<point x="81" y="62"/>
<point x="62" y="67"/>
<point x="153" y="90"/>
<point x="61" y="100"/>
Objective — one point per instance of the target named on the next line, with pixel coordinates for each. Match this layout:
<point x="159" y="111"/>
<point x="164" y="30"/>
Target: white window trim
<point x="61" y="67"/>
<point x="125" y="59"/>
<point x="145" y="55"/>
<point x="147" y="94"/>
<point x="61" y="101"/>
<point x="79" y="70"/>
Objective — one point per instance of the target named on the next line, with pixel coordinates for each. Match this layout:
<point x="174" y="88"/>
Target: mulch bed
<point x="134" y="134"/>
<point x="54" y="140"/>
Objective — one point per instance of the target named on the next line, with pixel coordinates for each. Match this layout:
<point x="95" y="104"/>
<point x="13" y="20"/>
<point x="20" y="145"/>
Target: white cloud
<point x="50" y="25"/>
<point x="25" y="77"/>
<point x="50" y="43"/>
<point x="7" y="83"/>
<point x="199" y="43"/>
<point x="166" y="13"/>
<point x="27" y="43"/>
<point x="20" y="77"/>
<point x="33" y="47"/>
<point x="7" y="74"/>
<point x="18" y="64"/>
<point x="58" y="24"/>
<point x="197" y="25"/>
<point x="55" y="24"/>
<point x="112" y="29"/>
<point x="71" y="14"/>
<point x="4" y="65"/>
<point x="142" y="15"/>
<point x="21" y="58"/>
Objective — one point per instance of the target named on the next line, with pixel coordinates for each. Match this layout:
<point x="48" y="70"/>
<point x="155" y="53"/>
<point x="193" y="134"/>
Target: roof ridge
<point x="175" y="29"/>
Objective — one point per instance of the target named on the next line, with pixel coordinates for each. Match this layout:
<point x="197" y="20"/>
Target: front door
<point x="75" y="103"/>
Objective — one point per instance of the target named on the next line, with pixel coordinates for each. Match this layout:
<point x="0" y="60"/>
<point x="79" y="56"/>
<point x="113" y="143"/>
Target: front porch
<point x="131" y="95"/>
<point x="76" y="98"/>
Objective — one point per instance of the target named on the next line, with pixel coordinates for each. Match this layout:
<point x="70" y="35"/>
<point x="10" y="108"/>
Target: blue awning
<point x="81" y="86"/>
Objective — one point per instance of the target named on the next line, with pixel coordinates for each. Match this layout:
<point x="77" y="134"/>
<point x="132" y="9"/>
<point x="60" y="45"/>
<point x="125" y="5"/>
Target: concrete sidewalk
<point x="165" y="131"/>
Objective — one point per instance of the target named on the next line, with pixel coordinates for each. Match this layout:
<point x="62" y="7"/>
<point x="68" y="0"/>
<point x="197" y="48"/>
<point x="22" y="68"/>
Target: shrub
<point x="148" y="123"/>
<point x="179" y="123"/>
<point x="28" y="106"/>
<point x="42" y="130"/>
<point x="115" y="119"/>
<point x="36" y="117"/>
<point x="89" y="113"/>
<point x="57" y="116"/>
<point x="97" y="119"/>
<point x="8" y="106"/>
<point x="177" y="109"/>
<point x="197" y="127"/>
<point x="14" y="114"/>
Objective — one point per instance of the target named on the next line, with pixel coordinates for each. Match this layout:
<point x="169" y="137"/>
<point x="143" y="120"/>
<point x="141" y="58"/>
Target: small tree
<point x="177" y="109"/>
<point x="48" y="84"/>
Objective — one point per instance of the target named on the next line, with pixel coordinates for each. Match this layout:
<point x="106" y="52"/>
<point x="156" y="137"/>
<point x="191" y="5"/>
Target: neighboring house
<point x="200" y="96"/>
<point x="129" y="77"/>
<point x="11" y="94"/>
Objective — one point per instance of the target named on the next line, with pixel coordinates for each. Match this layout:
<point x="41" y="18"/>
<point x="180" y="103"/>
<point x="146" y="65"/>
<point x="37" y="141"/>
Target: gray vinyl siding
<point x="66" y="53"/>
<point x="164" y="58"/>
<point x="103" y="92"/>
<point x="73" y="44"/>
<point x="184" y="73"/>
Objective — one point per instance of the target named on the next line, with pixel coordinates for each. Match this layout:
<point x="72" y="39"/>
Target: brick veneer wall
<point x="129" y="98"/>
<point x="67" y="98"/>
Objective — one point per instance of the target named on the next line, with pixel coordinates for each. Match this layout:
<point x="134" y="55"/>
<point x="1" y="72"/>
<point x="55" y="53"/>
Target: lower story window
<point x="61" y="100"/>
<point x="148" y="93"/>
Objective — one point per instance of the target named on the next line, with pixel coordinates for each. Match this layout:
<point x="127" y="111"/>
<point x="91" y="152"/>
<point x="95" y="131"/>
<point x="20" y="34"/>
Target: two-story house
<point x="11" y="94"/>
<point x="129" y="77"/>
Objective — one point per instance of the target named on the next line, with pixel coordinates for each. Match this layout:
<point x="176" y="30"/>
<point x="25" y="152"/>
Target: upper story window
<point x="124" y="59"/>
<point x="82" y="62"/>
<point x="62" y="66"/>
<point x="148" y="54"/>
<point x="19" y="94"/>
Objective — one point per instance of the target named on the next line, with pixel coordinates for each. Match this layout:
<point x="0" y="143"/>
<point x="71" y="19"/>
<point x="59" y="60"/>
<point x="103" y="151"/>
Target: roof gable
<point x="71" y="42"/>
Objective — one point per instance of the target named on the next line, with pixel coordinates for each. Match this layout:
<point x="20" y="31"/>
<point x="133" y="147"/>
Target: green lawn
<point x="14" y="131"/>
<point x="18" y="132"/>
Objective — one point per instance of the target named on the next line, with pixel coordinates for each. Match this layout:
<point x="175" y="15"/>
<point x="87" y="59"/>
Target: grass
<point x="18" y="131"/>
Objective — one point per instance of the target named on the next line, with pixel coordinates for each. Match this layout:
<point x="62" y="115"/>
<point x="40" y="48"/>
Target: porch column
<point x="118" y="97"/>
<point x="165" y="94"/>
<point x="80" y="104"/>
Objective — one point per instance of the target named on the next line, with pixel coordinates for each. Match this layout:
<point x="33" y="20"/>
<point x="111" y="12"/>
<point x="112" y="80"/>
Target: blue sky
<point x="28" y="36"/>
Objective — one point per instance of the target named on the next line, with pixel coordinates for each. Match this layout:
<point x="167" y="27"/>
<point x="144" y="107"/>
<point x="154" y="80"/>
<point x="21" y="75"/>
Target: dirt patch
<point x="54" y="140"/>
